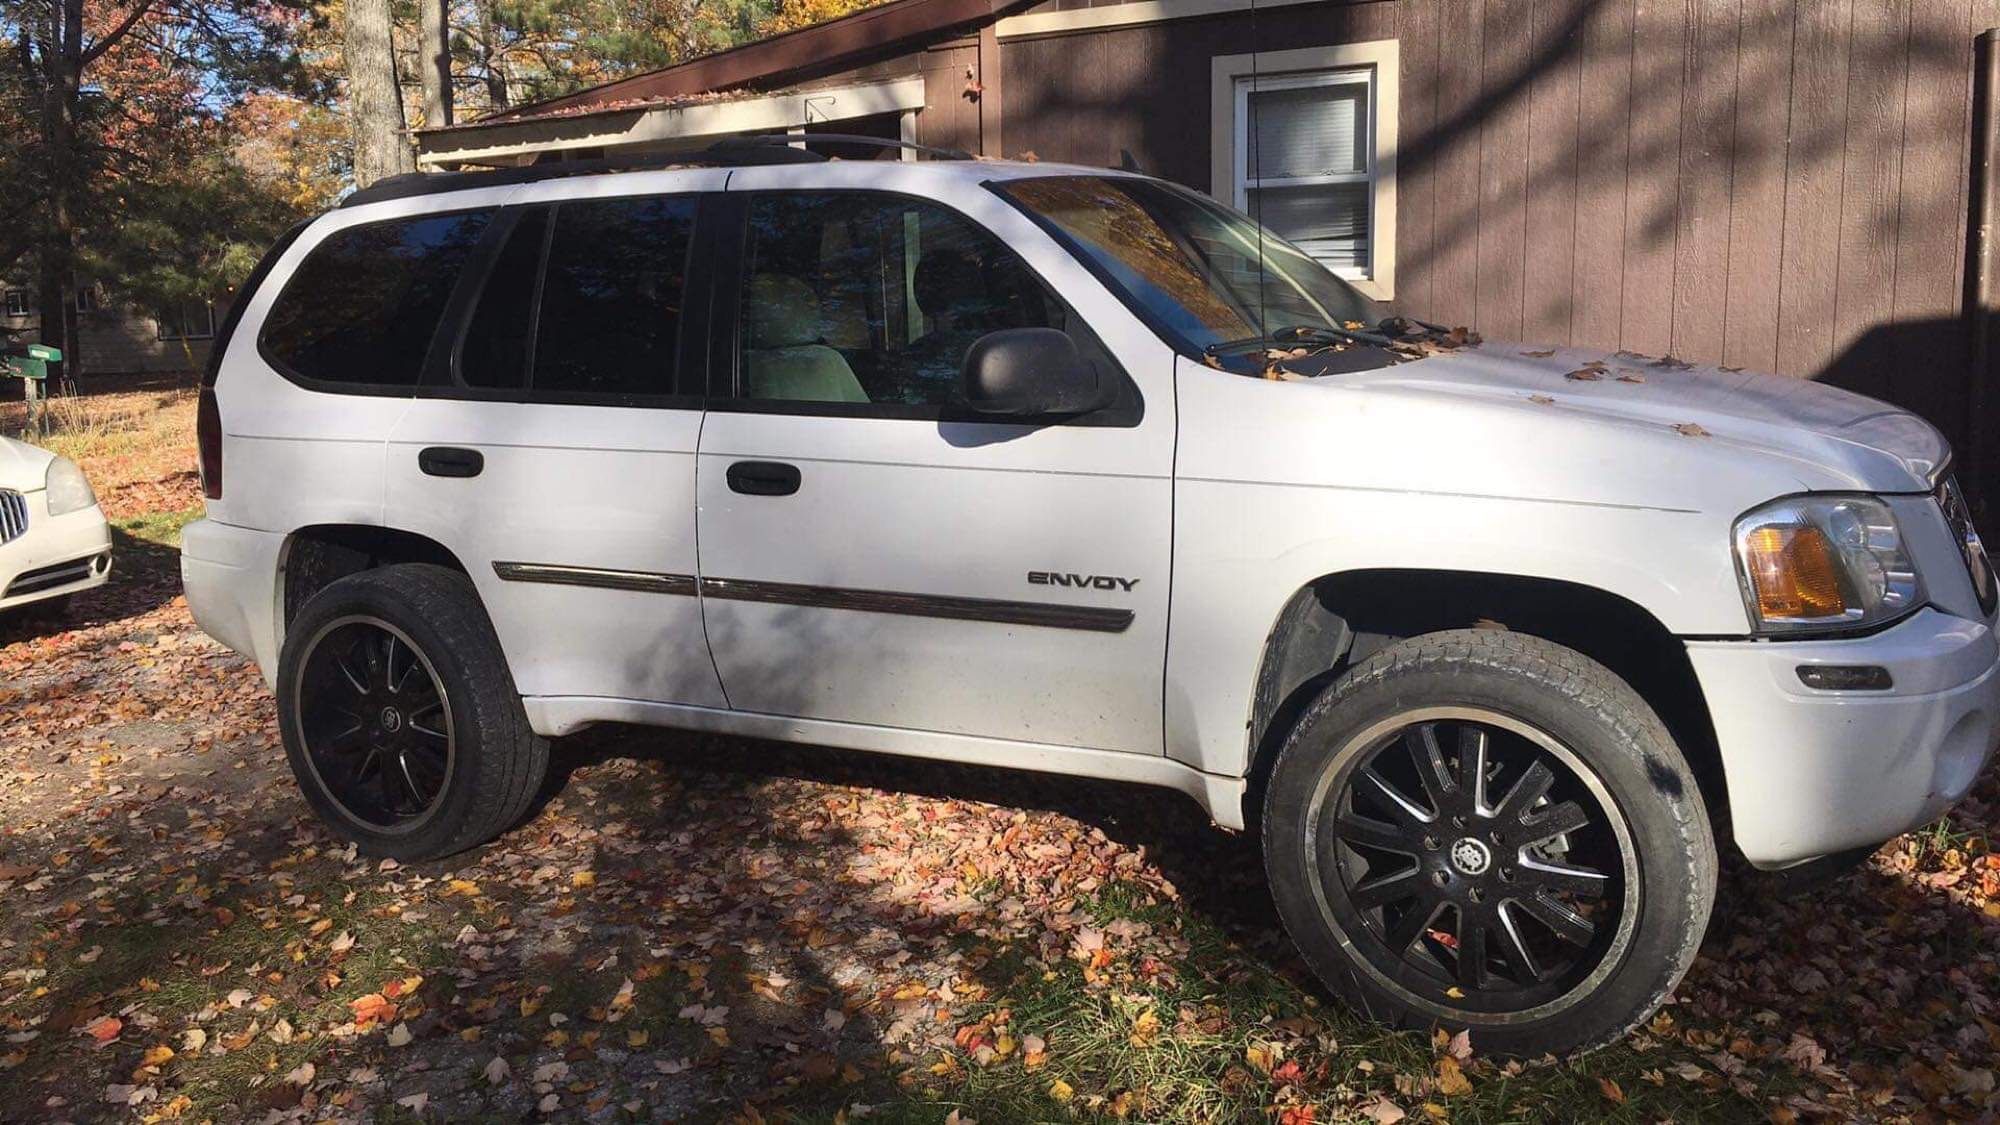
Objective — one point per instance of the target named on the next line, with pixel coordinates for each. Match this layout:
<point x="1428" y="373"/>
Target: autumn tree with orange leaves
<point x="118" y="119"/>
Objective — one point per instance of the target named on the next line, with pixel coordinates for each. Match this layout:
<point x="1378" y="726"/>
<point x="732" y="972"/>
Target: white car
<point x="1070" y="470"/>
<point x="53" y="538"/>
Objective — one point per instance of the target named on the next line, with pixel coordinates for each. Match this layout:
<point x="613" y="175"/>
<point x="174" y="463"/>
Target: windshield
<point x="1195" y="269"/>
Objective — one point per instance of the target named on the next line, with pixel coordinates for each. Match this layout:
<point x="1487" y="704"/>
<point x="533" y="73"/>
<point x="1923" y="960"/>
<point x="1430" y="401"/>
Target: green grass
<point x="163" y="528"/>
<point x="1930" y="843"/>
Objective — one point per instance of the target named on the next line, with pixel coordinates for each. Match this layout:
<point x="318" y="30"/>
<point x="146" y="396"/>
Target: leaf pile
<point x="700" y="928"/>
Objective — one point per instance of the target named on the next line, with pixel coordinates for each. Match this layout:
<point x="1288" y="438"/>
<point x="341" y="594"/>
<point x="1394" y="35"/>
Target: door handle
<point x="763" y="478"/>
<point x="450" y="461"/>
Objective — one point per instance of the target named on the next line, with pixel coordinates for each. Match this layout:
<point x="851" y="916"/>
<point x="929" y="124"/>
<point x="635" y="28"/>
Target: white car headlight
<point x="1824" y="563"/>
<point x="69" y="490"/>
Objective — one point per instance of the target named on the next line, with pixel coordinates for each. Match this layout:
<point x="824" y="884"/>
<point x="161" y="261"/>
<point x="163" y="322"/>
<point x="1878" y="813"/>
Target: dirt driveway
<point x="704" y="928"/>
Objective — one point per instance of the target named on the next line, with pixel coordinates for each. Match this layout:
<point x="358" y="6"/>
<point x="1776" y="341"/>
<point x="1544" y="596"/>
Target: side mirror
<point x="1028" y="371"/>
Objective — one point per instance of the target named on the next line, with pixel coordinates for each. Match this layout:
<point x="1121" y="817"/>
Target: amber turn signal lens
<point x="1793" y="572"/>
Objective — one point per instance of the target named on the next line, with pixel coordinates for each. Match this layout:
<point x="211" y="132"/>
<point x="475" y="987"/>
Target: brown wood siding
<point x="1453" y="257"/>
<point x="1092" y="98"/>
<point x="1549" y="275"/>
<point x="1774" y="184"/>
<point x="949" y="119"/>
<point x="1601" y="41"/>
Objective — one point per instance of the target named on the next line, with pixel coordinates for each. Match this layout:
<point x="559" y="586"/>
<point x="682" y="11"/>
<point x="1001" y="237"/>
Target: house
<point x="114" y="337"/>
<point x="1768" y="184"/>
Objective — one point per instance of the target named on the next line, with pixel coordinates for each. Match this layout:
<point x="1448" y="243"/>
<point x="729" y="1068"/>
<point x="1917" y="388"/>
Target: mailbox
<point x="29" y="361"/>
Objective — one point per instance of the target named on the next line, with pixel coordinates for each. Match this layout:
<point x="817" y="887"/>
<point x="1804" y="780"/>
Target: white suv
<point x="1070" y="470"/>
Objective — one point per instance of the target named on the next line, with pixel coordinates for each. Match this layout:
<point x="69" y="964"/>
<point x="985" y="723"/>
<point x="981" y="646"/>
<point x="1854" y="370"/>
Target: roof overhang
<point x="782" y="60"/>
<point x="504" y="140"/>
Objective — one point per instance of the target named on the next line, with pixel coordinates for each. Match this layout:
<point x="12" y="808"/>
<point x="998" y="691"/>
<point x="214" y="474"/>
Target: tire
<point x="466" y="764"/>
<point x="1466" y="870"/>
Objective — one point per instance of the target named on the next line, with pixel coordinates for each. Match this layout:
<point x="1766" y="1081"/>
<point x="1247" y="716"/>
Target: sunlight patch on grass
<point x="1222" y="1039"/>
<point x="163" y="528"/>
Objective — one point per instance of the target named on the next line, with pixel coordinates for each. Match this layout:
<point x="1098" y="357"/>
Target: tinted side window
<point x="611" y="296"/>
<point x="363" y="305"/>
<point x="865" y="298"/>
<point x="497" y="342"/>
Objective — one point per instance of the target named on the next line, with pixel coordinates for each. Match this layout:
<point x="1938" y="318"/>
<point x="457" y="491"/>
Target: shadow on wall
<point x="1870" y="364"/>
<point x="1866" y="364"/>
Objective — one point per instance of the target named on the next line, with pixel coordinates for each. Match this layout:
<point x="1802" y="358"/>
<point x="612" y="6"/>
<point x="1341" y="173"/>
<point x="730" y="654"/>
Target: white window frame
<point x="87" y="299"/>
<point x="1375" y="64"/>
<point x="17" y="303"/>
<point x="208" y="312"/>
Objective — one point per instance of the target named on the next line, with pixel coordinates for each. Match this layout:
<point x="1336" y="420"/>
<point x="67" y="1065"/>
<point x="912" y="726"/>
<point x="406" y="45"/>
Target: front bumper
<point x="57" y="555"/>
<point x="1812" y="772"/>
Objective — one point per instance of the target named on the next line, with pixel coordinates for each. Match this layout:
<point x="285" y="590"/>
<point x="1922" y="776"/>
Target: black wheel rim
<point x="1473" y="864"/>
<point x="375" y="723"/>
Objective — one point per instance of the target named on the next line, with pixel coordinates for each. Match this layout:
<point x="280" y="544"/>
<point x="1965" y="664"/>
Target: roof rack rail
<point x="757" y="148"/>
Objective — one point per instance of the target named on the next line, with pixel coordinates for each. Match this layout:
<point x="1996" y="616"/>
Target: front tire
<point x="400" y="719"/>
<point x="1485" y="830"/>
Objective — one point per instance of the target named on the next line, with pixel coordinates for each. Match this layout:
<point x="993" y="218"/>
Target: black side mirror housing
<point x="1029" y="371"/>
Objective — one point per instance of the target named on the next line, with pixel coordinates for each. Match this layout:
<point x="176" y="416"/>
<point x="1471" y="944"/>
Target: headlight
<point x="68" y="490"/>
<point x="1813" y="564"/>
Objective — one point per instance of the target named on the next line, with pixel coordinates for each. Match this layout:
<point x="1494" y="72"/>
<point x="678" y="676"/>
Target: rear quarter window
<point x="361" y="310"/>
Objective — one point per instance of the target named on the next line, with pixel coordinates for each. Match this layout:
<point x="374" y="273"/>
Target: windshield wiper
<point x="1316" y="334"/>
<point x="1296" y="334"/>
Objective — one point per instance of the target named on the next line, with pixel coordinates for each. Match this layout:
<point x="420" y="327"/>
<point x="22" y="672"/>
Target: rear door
<point x="873" y="553"/>
<point x="552" y="445"/>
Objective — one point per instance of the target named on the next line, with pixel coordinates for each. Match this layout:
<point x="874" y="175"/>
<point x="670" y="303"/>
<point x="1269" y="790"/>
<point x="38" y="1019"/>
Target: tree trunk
<point x="379" y="147"/>
<point x="59" y="320"/>
<point x="436" y="55"/>
<point x="62" y="72"/>
<point x="489" y="57"/>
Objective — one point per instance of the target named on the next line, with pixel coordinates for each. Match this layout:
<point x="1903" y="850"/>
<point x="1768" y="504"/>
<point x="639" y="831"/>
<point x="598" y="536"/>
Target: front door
<point x="871" y="552"/>
<point x="552" y="449"/>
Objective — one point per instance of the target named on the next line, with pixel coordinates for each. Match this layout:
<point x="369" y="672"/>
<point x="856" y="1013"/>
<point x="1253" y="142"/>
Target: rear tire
<point x="400" y="718"/>
<point x="1484" y="830"/>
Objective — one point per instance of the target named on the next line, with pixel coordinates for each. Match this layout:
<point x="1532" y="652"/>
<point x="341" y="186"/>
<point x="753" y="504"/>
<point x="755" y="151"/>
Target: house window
<point x="1305" y="144"/>
<point x="1304" y="165"/>
<point x="88" y="299"/>
<point x="192" y="321"/>
<point x="17" y="302"/>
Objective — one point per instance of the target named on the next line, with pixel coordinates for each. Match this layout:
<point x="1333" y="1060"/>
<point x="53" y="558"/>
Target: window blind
<point x="1309" y="131"/>
<point x="1328" y="221"/>
<point x="1306" y="168"/>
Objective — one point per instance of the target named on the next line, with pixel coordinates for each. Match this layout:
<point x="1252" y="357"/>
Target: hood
<point x="23" y="467"/>
<point x="1831" y="438"/>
